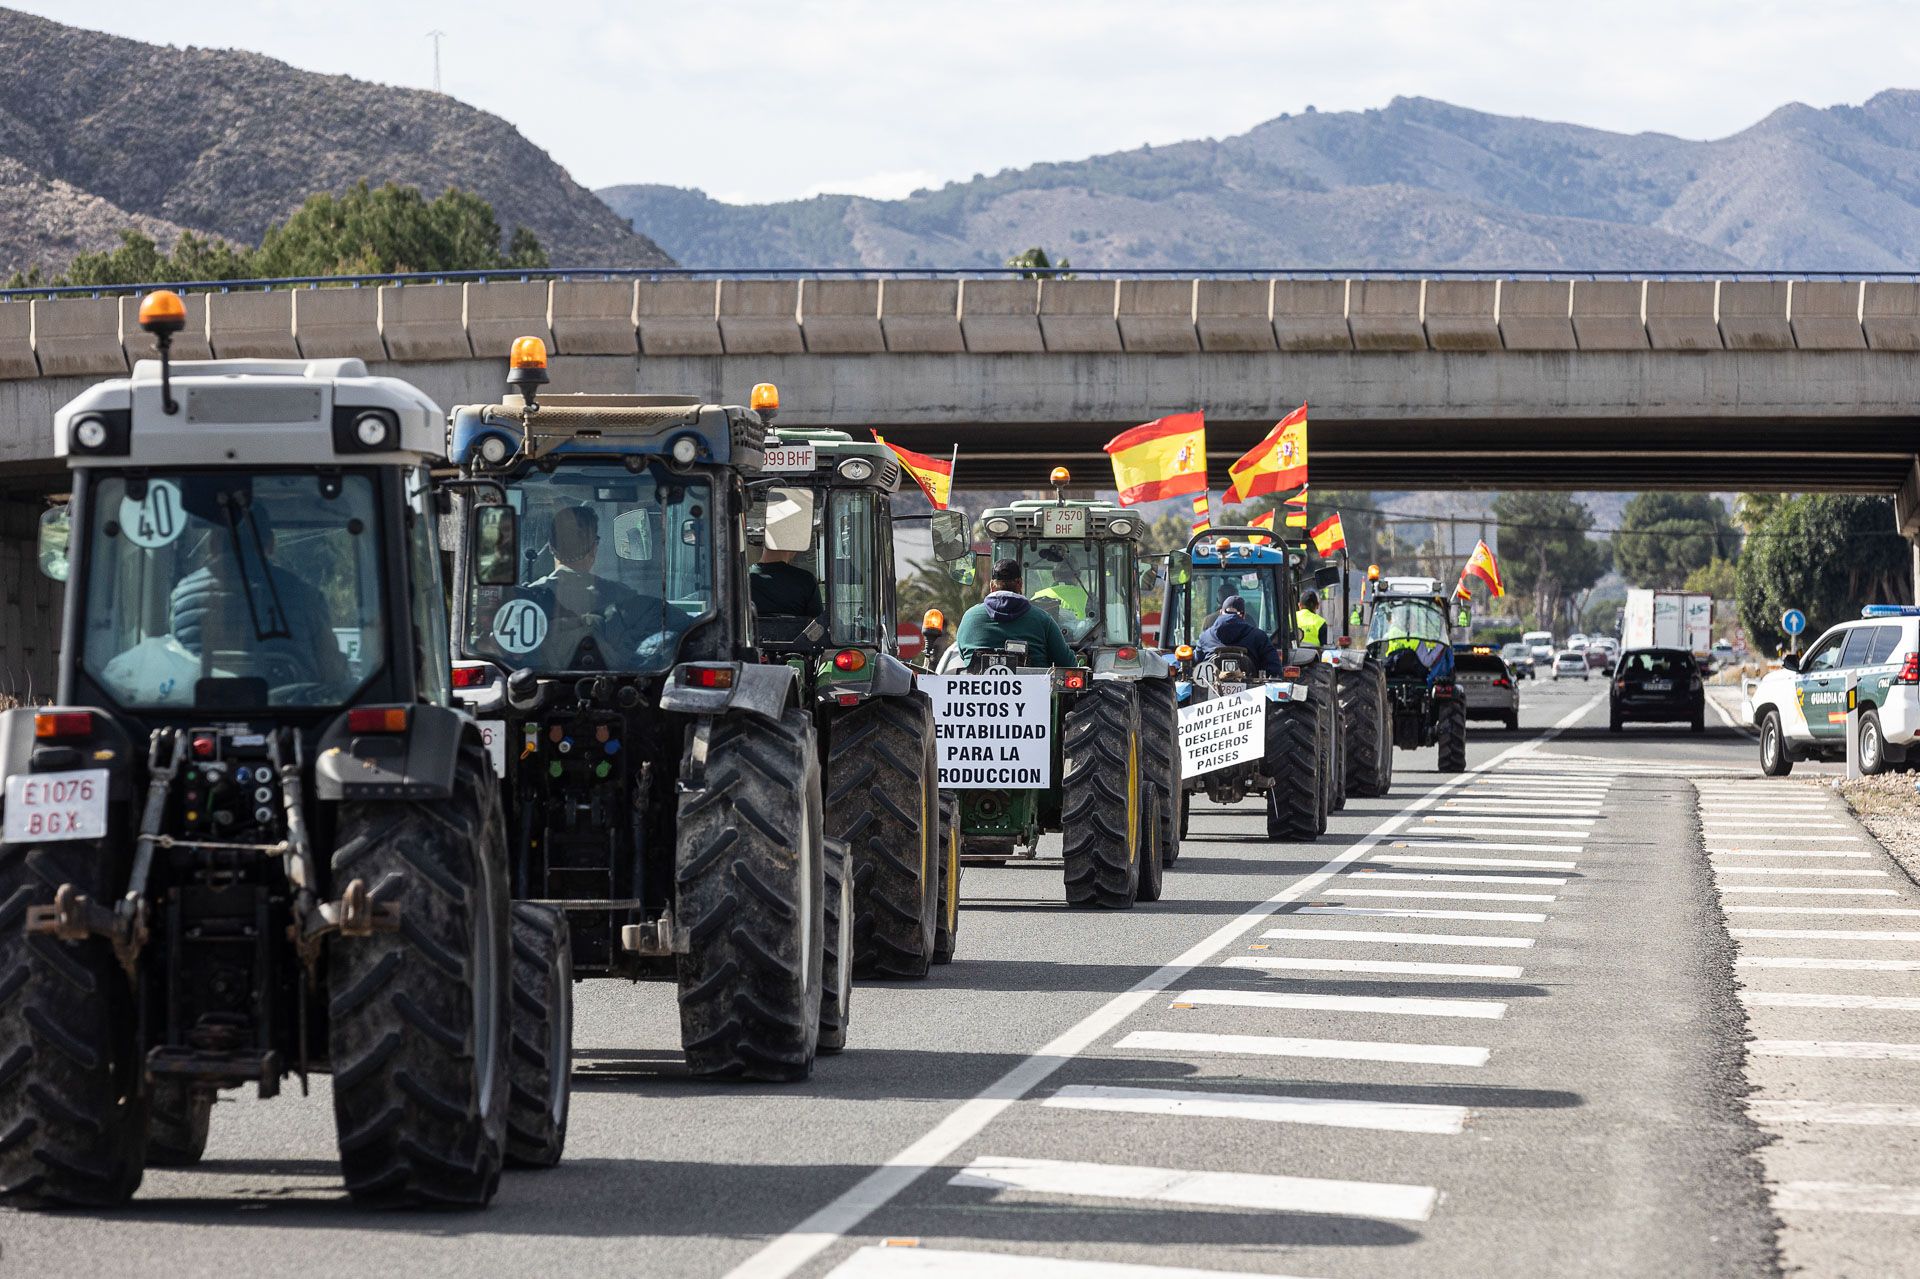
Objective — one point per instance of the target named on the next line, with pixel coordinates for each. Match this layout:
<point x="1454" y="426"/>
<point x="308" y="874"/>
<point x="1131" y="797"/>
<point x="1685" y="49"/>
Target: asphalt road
<point x="1487" y="1025"/>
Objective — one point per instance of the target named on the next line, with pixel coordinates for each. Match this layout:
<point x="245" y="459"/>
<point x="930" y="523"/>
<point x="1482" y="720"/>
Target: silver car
<point x="1568" y="664"/>
<point x="1487" y="683"/>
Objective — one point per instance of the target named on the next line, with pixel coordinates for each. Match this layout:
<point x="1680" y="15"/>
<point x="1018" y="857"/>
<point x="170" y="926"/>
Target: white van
<point x="1540" y="644"/>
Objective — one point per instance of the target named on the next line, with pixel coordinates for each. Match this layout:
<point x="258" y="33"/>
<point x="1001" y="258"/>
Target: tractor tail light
<point x="377" y="719"/>
<point x="1125" y="653"/>
<point x="707" y="676"/>
<point x="1076" y="679"/>
<point x="850" y="659"/>
<point x="472" y="676"/>
<point x="58" y="724"/>
<point x="1909" y="670"/>
<point x="1290" y="672"/>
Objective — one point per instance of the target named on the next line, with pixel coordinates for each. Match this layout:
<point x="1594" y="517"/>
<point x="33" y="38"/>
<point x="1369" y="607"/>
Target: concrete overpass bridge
<point x="1431" y="380"/>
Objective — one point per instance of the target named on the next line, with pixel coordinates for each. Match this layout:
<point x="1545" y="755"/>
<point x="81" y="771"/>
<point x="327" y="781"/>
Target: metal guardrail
<point x="522" y="275"/>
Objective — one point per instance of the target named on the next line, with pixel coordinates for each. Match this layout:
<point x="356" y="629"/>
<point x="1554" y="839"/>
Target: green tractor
<point x="1408" y="634"/>
<point x="1111" y="720"/>
<point x="821" y="532"/>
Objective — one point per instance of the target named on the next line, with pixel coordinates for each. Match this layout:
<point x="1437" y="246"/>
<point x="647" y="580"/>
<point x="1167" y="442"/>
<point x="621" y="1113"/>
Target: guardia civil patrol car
<point x="1801" y="709"/>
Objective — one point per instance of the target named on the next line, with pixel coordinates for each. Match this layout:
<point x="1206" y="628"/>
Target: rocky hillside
<point x="1416" y="184"/>
<point x="99" y="133"/>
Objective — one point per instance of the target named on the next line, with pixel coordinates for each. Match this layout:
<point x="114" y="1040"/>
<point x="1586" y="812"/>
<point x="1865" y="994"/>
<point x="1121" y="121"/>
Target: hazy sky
<point x="770" y="99"/>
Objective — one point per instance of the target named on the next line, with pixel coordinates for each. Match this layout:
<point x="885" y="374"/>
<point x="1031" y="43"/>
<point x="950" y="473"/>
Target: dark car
<point x="1661" y="685"/>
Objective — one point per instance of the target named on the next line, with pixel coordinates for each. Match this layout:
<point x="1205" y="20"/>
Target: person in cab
<point x="1231" y="629"/>
<point x="1005" y="615"/>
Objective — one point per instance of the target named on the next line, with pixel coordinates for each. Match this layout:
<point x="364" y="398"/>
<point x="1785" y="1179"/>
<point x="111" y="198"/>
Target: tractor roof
<point x="1238" y="553"/>
<point x="831" y="450"/>
<point x="602" y="426"/>
<point x="249" y="413"/>
<point x="1024" y="519"/>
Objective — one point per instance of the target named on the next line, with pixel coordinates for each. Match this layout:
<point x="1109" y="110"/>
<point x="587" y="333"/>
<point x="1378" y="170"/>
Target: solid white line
<point x="1518" y="863"/>
<point x="1447" y="819"/>
<point x="877" y="1262"/>
<point x="1847" y="965"/>
<point x="1215" y="1189"/>
<point x="1285" y="1046"/>
<point x="1370" y="966"/>
<point x="1866" y="1003"/>
<point x="1823" y="934"/>
<point x="1717" y="827"/>
<point x="1798" y="891"/>
<point x="1398" y="939"/>
<point x="1448" y="877"/>
<point x="1768" y="870"/>
<point x="1810" y="839"/>
<point x="1851" y="1049"/>
<point x="1399" y="1005"/>
<point x="1395" y="912"/>
<point x="1767" y="806"/>
<point x="1834" y="1112"/>
<point x="1880" y="911"/>
<point x="1520" y="807"/>
<point x="1841" y="1196"/>
<point x="1459" y="840"/>
<point x="1781" y="852"/>
<point x="1326" y="1112"/>
<point x="1529" y="831"/>
<point x="1427" y="893"/>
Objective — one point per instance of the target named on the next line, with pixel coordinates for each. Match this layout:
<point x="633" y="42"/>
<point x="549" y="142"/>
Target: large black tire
<point x="1325" y="715"/>
<point x="540" y="1076"/>
<point x="1452" y="734"/>
<point x="73" y="1120"/>
<point x="1100" y="816"/>
<point x="1153" y="867"/>
<point x="751" y="874"/>
<point x="419" y="1018"/>
<point x="1386" y="736"/>
<point x="1293" y="761"/>
<point x="883" y="797"/>
<point x="1326" y="679"/>
<point x="1775" y="761"/>
<point x="179" y="1116"/>
<point x="1363" y="706"/>
<point x="946" y="934"/>
<point x="1160" y="753"/>
<point x="1873" y="741"/>
<point x="836" y="967"/>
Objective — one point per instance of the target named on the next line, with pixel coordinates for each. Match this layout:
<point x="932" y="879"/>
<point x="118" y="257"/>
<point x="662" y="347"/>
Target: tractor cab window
<point x="235" y="589"/>
<point x="1062" y="578"/>
<point x="1258" y="586"/>
<point x="786" y="574"/>
<point x="1122" y="619"/>
<point x="1408" y="619"/>
<point x="615" y="567"/>
<point x="853" y="567"/>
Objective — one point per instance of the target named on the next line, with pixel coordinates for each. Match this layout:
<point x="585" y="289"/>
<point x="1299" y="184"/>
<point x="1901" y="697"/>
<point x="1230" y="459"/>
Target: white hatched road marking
<point x="1529" y="831"/>
<point x="1842" y="1196"/>
<point x="1444" y="877"/>
<point x="1426" y="893"/>
<point x="1825" y="934"/>
<point x="1739" y="830"/>
<point x="1853" y="1049"/>
<point x="1848" y="965"/>
<point x="1803" y="891"/>
<point x="1520" y="863"/>
<point x="1448" y="839"/>
<point x="1868" y="1003"/>
<point x="1518" y="808"/>
<point x="1743" y="836"/>
<point x="1393" y="912"/>
<point x="1192" y="1186"/>
<point x="1784" y="870"/>
<point x="1781" y="852"/>
<point x="1865" y="1113"/>
<point x="1877" y="911"/>
<point x="1286" y="1046"/>
<point x="876" y="1262"/>
<point x="1326" y="1112"/>
<point x="1398" y="1005"/>
<point x="1398" y="939"/>
<point x="1372" y="966"/>
<point x="1449" y="819"/>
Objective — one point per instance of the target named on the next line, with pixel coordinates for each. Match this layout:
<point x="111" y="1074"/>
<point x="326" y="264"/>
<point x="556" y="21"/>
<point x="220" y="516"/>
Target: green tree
<point x="1665" y="536"/>
<point x="931" y="586"/>
<point x="1720" y="579"/>
<point x="1545" y="552"/>
<point x="1825" y="554"/>
<point x="365" y="231"/>
<point x="1750" y="510"/>
<point x="1035" y="263"/>
<point x="139" y="260"/>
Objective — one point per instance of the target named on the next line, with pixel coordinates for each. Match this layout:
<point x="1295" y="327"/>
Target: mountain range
<point x="1417" y="183"/>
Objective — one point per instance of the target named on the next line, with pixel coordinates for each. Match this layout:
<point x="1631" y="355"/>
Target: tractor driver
<point x="584" y="606"/>
<point x="781" y="588"/>
<point x="1067" y="593"/>
<point x="1231" y="629"/>
<point x="1005" y="615"/>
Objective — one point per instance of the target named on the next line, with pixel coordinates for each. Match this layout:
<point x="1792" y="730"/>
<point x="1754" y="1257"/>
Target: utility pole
<point x="436" y="37"/>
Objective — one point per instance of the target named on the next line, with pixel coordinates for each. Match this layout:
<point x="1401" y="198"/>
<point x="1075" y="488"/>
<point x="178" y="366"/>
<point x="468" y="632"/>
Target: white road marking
<point x="1823" y="934"/>
<point x="1445" y="877"/>
<point x="1529" y="831"/>
<point x="1371" y="966"/>
<point x="1780" y="852"/>
<point x="1844" y="965"/>
<point x="1446" y="819"/>
<point x="876" y="1262"/>
<point x="1739" y="837"/>
<point x="1866" y="1003"/>
<point x="1215" y="1189"/>
<point x="1519" y="808"/>
<point x="1751" y="806"/>
<point x="1399" y="939"/>
<point x="1398" y="1005"/>
<point x="1801" y="891"/>
<point x="1426" y="893"/>
<point x="1326" y="1112"/>
<point x="819" y="1230"/>
<point x="1851" y="1049"/>
<point x="1285" y="1046"/>
<point x="1841" y="1196"/>
<point x="1834" y="1112"/>
<point x="1769" y="870"/>
<point x="1740" y="830"/>
<point x="1395" y="912"/>
<point x="1424" y="859"/>
<point x="1451" y="839"/>
<point x="1878" y="911"/>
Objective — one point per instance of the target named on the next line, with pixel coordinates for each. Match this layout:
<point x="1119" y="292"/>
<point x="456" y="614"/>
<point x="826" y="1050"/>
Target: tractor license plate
<point x="789" y="457"/>
<point x="1063" y="521"/>
<point x="1229" y="689"/>
<point x="493" y="735"/>
<point x="44" y="807"/>
<point x="1659" y="686"/>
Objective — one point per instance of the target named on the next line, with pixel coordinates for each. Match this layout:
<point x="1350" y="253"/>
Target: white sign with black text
<point x="992" y="731"/>
<point x="1222" y="732"/>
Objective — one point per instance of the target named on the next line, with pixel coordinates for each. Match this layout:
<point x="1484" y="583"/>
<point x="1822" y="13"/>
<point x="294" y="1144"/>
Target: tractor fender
<point x="418" y="763"/>
<point x="760" y="690"/>
<point x="891" y="676"/>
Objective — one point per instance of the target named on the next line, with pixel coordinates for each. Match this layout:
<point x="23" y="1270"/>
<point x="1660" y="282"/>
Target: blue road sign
<point x="1793" y="621"/>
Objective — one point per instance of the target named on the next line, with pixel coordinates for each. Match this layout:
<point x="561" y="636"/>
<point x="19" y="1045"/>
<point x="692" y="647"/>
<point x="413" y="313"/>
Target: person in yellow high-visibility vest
<point x="1312" y="626"/>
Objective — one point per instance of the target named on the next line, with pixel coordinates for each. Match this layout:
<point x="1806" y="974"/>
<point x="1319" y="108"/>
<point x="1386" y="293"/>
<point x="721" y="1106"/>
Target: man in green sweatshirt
<point x="1005" y="615"/>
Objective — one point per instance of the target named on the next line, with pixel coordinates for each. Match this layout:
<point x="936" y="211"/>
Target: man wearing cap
<point x="1005" y="615"/>
<point x="1232" y="630"/>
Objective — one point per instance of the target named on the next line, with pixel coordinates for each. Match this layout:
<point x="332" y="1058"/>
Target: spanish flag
<point x="1265" y="522"/>
<point x="1166" y="457"/>
<point x="1328" y="535"/>
<point x="1297" y="517"/>
<point x="1202" y="516"/>
<point x="1277" y="463"/>
<point x="934" y="477"/>
<point x="1482" y="565"/>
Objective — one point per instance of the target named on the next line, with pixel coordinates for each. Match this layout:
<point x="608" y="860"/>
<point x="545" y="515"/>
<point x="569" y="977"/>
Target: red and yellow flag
<point x="1202" y="514"/>
<point x="934" y="477"/>
<point x="1297" y="512"/>
<point x="1261" y="521"/>
<point x="1329" y="535"/>
<point x="1276" y="463"/>
<point x="1482" y="565"/>
<point x="1166" y="457"/>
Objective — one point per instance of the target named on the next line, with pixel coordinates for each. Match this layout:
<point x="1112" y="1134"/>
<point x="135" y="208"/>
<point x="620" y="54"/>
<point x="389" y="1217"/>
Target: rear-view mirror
<point x="55" y="535"/>
<point x="950" y="541"/>
<point x="1791" y="661"/>
<point x="789" y="519"/>
<point x="496" y="546"/>
<point x="962" y="571"/>
<point x="1149" y="577"/>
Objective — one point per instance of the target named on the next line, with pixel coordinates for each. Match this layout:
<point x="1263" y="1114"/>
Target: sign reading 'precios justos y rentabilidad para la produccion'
<point x="992" y="731"/>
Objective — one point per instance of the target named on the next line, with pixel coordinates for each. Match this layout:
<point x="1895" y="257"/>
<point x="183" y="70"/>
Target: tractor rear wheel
<point x="1293" y="762"/>
<point x="1363" y="696"/>
<point x="1453" y="737"/>
<point x="1100" y="817"/>
<point x="836" y="970"/>
<point x="751" y="874"/>
<point x="1326" y="689"/>
<point x="540" y="1086"/>
<point x="883" y="798"/>
<point x="1160" y="759"/>
<point x="946" y="934"/>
